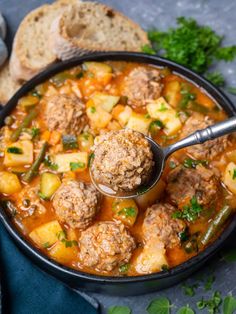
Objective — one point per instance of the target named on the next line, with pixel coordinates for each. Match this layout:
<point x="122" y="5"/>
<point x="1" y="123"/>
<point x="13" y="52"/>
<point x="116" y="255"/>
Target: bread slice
<point x="90" y="26"/>
<point x="8" y="86"/>
<point x="31" y="53"/>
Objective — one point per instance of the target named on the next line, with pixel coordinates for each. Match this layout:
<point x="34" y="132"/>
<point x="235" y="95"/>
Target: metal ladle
<point x="160" y="155"/>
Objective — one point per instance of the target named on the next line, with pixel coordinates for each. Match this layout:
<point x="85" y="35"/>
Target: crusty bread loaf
<point x="7" y="85"/>
<point x="91" y="26"/>
<point x="31" y="53"/>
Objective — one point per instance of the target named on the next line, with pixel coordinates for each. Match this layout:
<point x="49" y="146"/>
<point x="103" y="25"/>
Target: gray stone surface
<point x="221" y="16"/>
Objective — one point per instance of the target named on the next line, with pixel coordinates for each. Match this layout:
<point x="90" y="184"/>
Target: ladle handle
<point x="201" y="136"/>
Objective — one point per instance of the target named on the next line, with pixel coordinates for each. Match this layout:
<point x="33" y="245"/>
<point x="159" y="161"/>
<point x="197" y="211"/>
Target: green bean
<point x="216" y="224"/>
<point x="24" y="124"/>
<point x="33" y="171"/>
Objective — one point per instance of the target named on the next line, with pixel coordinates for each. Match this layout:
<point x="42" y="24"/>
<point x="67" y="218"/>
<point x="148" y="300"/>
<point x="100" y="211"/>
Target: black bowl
<point x="107" y="284"/>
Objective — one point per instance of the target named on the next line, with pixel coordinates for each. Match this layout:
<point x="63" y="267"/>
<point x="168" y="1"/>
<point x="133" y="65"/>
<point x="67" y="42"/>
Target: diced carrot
<point x="55" y="138"/>
<point x="45" y="135"/>
<point x="117" y="110"/>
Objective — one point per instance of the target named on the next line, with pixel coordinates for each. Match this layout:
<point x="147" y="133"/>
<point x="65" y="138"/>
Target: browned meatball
<point x="184" y="183"/>
<point x="76" y="203"/>
<point x="65" y="113"/>
<point x="209" y="149"/>
<point x="123" y="160"/>
<point x="142" y="84"/>
<point x="159" y="223"/>
<point x="105" y="246"/>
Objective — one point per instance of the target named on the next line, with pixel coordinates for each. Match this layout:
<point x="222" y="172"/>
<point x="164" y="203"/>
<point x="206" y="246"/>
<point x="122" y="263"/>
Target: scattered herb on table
<point x="229" y="305"/>
<point x="160" y="305"/>
<point x="212" y="304"/>
<point x="189" y="212"/>
<point x="189" y="290"/>
<point x="232" y="90"/>
<point x="196" y="46"/>
<point x="185" y="310"/>
<point x="119" y="310"/>
<point x="209" y="282"/>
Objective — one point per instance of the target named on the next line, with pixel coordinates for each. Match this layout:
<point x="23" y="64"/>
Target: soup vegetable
<point x="47" y="147"/>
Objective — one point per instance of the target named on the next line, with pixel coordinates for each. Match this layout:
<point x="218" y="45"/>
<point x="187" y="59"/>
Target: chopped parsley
<point x="15" y="150"/>
<point x="76" y="165"/>
<point x="187" y="96"/>
<point x="124" y="268"/>
<point x="48" y="163"/>
<point x="148" y="49"/>
<point x="184" y="235"/>
<point x="128" y="212"/>
<point x="61" y="235"/>
<point x="79" y="75"/>
<point x="46" y="245"/>
<point x="147" y="116"/>
<point x="92" y="109"/>
<point x="209" y="282"/>
<point x="35" y="132"/>
<point x="69" y="243"/>
<point x="234" y="174"/>
<point x="192" y="163"/>
<point x="162" y="107"/>
<point x="90" y="159"/>
<point x="155" y="127"/>
<point x="189" y="212"/>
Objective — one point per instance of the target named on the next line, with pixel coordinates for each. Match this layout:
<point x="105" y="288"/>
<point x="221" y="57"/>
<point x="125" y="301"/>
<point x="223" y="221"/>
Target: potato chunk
<point x="161" y="110"/>
<point x="47" y="234"/>
<point x="138" y="122"/>
<point x="49" y="183"/>
<point x="98" y="117"/>
<point x="63" y="254"/>
<point x="152" y="258"/>
<point x="105" y="101"/>
<point x="101" y="71"/>
<point x="68" y="162"/>
<point x="18" y="154"/>
<point x="9" y="183"/>
<point x="229" y="178"/>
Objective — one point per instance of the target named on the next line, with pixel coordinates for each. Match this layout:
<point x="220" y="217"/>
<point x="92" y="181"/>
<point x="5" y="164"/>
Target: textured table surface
<point x="221" y="16"/>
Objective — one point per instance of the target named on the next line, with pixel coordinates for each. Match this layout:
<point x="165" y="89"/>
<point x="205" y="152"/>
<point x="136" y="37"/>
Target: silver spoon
<point x="160" y="155"/>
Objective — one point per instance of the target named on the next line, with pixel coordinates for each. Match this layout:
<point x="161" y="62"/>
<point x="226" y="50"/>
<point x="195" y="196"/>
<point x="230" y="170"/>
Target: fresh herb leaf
<point x="216" y="78"/>
<point x="15" y="150"/>
<point x="48" y="163"/>
<point x="69" y="141"/>
<point x="79" y="75"/>
<point x="187" y="96"/>
<point x="69" y="243"/>
<point x="128" y="212"/>
<point x="92" y="109"/>
<point x="184" y="235"/>
<point x="90" y="159"/>
<point x="189" y="212"/>
<point x="185" y="310"/>
<point x="160" y="305"/>
<point x="35" y="132"/>
<point x="76" y="165"/>
<point x="208" y="284"/>
<point x="124" y="268"/>
<point x="212" y="304"/>
<point x="148" y="49"/>
<point x="42" y="196"/>
<point x="226" y="53"/>
<point x="119" y="310"/>
<point x="162" y="107"/>
<point x="192" y="163"/>
<point x="234" y="174"/>
<point x="61" y="235"/>
<point x="229" y="305"/>
<point x="189" y="290"/>
<point x="155" y="127"/>
<point x="46" y="245"/>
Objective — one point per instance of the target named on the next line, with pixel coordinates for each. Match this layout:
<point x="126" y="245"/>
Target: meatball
<point x="158" y="223"/>
<point x="76" y="203"/>
<point x="122" y="160"/>
<point x="209" y="149"/>
<point x="105" y="246"/>
<point x="65" y="113"/>
<point x="184" y="183"/>
<point x="142" y="84"/>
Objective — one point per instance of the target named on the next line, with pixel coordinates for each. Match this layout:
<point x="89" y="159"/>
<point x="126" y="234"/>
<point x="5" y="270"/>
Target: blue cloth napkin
<point x="27" y="290"/>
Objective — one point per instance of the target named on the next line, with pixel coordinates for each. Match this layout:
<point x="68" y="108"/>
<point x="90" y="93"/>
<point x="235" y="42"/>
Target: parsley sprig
<point x="190" y="212"/>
